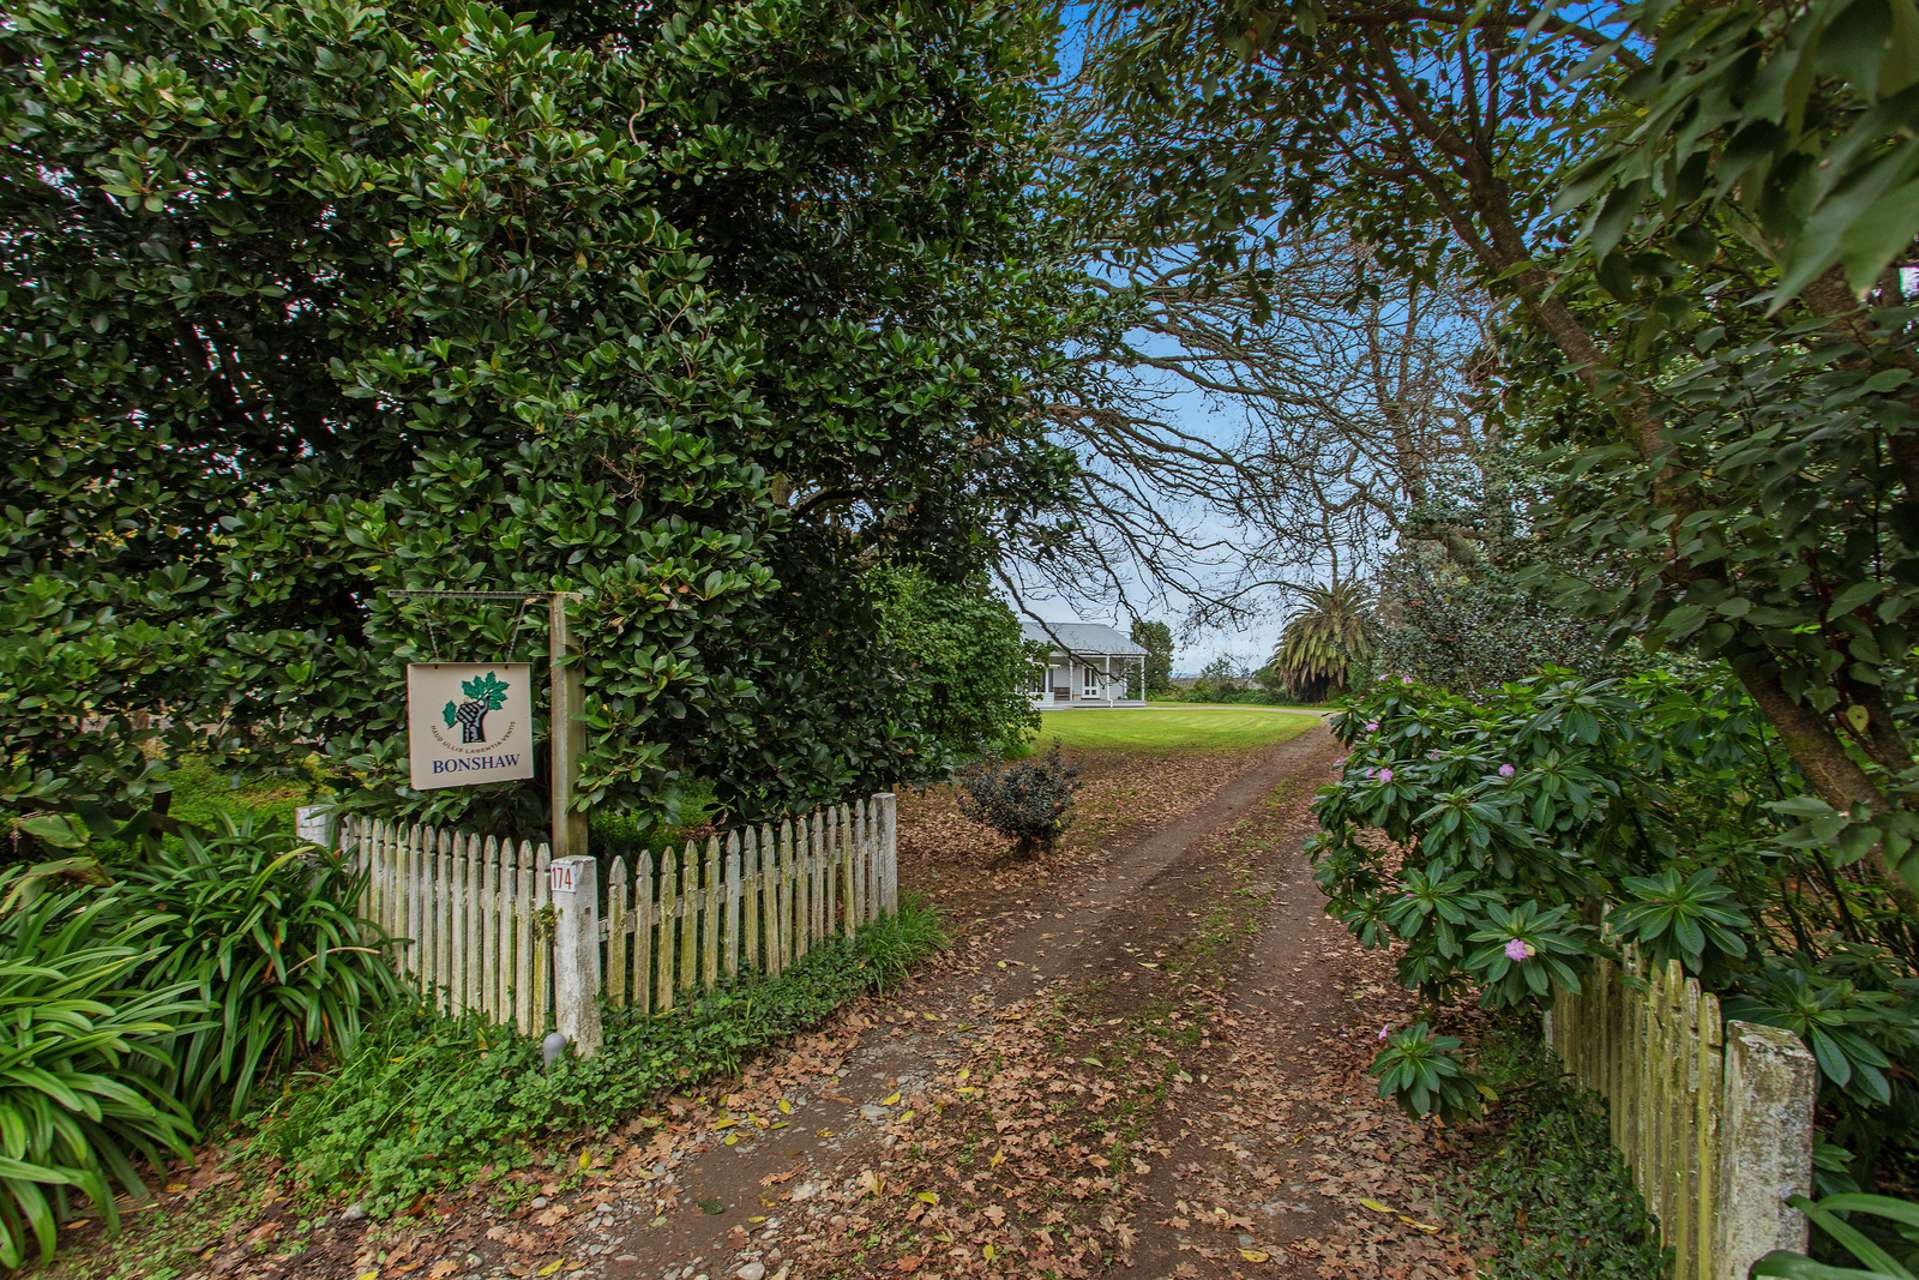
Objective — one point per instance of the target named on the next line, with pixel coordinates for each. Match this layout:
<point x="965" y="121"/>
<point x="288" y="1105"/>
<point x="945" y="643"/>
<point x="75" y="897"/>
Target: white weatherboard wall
<point x="502" y="929"/>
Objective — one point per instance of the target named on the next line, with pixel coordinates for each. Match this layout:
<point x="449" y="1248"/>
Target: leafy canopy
<point x="696" y="311"/>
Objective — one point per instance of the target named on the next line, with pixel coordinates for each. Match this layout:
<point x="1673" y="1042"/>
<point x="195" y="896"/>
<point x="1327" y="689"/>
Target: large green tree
<point x="1721" y="357"/>
<point x="694" y="311"/>
<point x="1157" y="639"/>
<point x="962" y="666"/>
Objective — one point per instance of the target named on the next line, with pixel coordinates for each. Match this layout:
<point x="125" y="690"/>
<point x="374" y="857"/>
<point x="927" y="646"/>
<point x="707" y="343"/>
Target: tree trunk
<point x="1834" y="775"/>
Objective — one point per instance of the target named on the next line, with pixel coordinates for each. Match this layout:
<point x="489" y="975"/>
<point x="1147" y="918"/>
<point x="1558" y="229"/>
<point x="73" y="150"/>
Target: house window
<point x="1090" y="685"/>
<point x="1040" y="686"/>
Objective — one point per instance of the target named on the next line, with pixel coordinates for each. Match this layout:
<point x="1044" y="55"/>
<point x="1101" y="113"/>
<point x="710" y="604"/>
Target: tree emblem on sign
<point x="484" y="694"/>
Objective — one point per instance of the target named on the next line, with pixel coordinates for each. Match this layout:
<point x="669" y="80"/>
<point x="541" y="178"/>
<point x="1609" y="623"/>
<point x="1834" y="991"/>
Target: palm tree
<point x="1324" y="643"/>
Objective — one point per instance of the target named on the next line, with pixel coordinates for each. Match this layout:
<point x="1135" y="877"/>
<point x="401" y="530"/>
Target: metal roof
<point x="1080" y="637"/>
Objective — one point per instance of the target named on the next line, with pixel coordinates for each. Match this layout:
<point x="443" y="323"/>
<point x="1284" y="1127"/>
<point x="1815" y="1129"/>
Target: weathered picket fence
<point x="756" y="902"/>
<point x="499" y="927"/>
<point x="1714" y="1118"/>
<point x="471" y="916"/>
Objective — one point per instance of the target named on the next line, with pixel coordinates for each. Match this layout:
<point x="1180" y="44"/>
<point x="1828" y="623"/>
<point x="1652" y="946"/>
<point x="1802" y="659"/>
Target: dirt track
<point x="1149" y="1065"/>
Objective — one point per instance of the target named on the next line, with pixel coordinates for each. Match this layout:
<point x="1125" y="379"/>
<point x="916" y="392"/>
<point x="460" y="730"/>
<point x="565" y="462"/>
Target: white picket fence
<point x="498" y="927"/>
<point x="756" y="903"/>
<point x="472" y="916"/>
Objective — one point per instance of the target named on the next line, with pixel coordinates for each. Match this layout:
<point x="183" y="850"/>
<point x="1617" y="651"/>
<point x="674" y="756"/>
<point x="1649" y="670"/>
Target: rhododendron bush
<point x="1505" y="842"/>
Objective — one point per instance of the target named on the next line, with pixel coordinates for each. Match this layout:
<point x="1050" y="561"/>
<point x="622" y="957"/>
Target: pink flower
<point x="1383" y="1031"/>
<point x="1518" y="950"/>
<point x="1385" y="775"/>
<point x="1371" y="772"/>
<point x="1405" y="679"/>
<point x="1372" y="726"/>
<point x="1507" y="771"/>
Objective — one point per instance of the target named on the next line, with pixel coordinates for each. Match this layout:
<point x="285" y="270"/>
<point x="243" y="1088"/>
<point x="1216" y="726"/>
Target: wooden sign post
<point x="569" y="729"/>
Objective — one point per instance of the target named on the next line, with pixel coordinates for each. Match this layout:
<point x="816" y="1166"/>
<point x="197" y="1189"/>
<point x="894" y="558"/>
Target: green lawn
<point x="1195" y="728"/>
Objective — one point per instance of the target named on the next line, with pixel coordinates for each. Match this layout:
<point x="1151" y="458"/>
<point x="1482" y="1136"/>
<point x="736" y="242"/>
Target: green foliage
<point x="259" y="927"/>
<point x="1029" y="800"/>
<point x="698" y="311"/>
<point x="961" y="667"/>
<point x="1223" y="679"/>
<point x="1854" y="1031"/>
<point x="1328" y="643"/>
<point x="424" y="1102"/>
<point x="199" y="796"/>
<point x="1426" y="1076"/>
<point x="1750" y="188"/>
<point x="1469" y="598"/>
<point x="628" y="833"/>
<point x="1553" y="793"/>
<point x="1742" y="594"/>
<point x="1157" y="639"/>
<point x="1535" y="806"/>
<point x="1788" y="120"/>
<point x="1690" y="919"/>
<point x="1544" y="1195"/>
<point x="1701" y="335"/>
<point x="89" y="1032"/>
<point x="141" y="1006"/>
<point x="1526" y="953"/>
<point x="1893" y="1257"/>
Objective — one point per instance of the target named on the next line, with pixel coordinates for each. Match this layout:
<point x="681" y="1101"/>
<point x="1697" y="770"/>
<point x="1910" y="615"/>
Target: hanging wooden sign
<point x="469" y="723"/>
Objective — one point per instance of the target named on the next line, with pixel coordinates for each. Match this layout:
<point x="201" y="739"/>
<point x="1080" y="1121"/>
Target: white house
<point x="1090" y="665"/>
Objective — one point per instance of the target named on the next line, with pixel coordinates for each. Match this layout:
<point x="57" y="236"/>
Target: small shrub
<point x="1029" y="800"/>
<point x="1545" y="1196"/>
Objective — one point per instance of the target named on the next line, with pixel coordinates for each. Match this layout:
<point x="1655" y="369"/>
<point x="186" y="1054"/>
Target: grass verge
<point x="1196" y="729"/>
<point x="1545" y="1194"/>
<point x="426" y="1104"/>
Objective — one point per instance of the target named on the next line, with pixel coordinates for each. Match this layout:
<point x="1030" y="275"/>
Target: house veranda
<point x="1089" y="664"/>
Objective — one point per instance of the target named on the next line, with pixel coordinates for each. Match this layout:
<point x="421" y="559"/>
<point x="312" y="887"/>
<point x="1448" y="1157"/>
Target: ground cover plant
<point x="1880" y="1233"/>
<point x="1543" y="1191"/>
<point x="84" y="1096"/>
<point x="160" y="998"/>
<point x="263" y="929"/>
<point x="427" y="1104"/>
